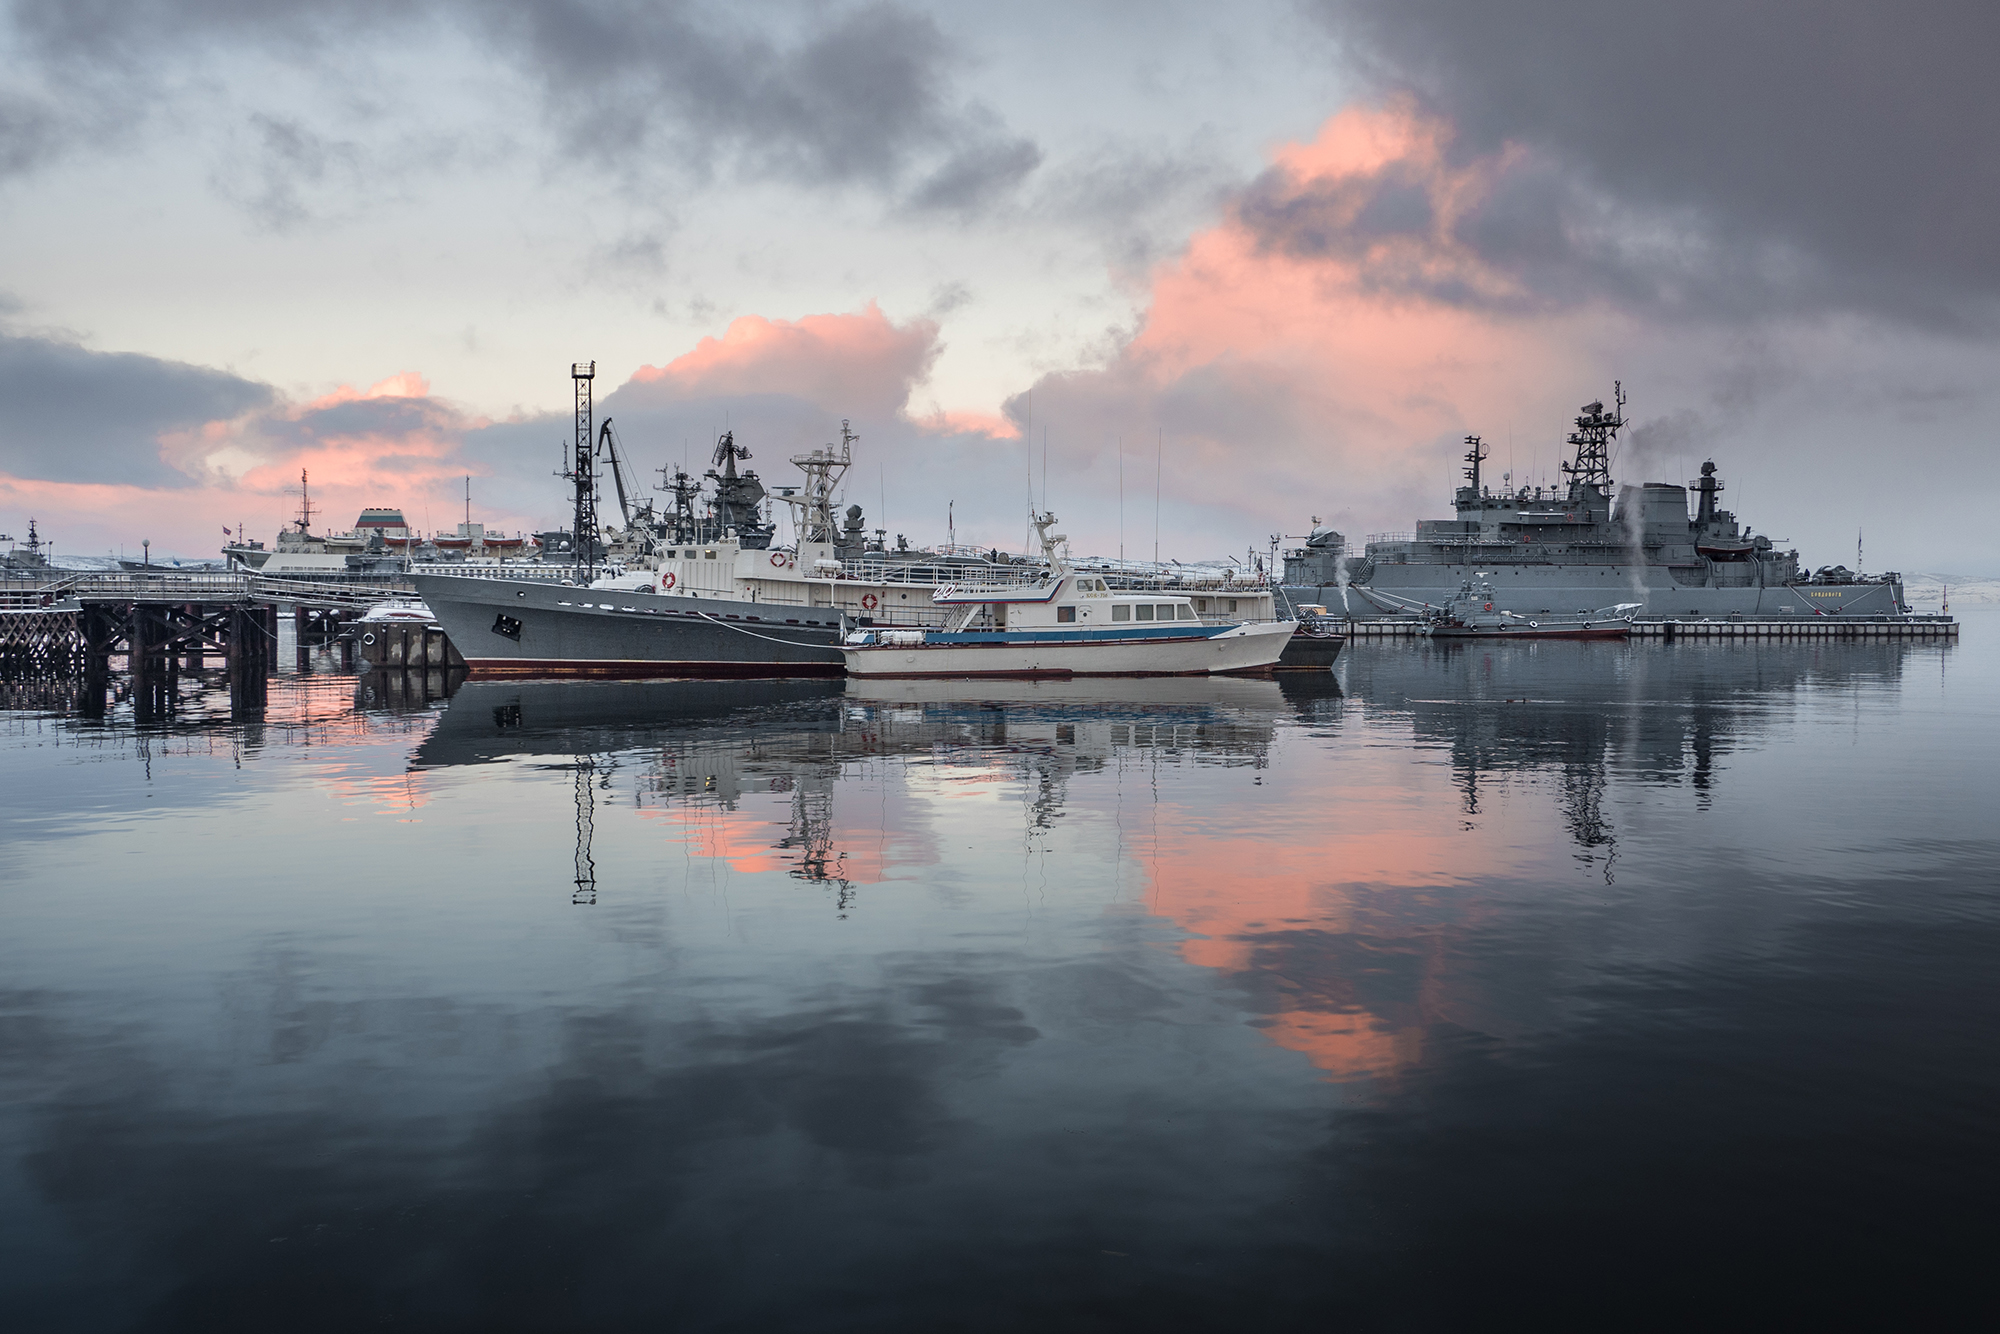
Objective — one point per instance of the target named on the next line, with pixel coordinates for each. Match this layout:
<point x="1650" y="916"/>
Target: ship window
<point x="1120" y="612"/>
<point x="1201" y="604"/>
<point x="1145" y="611"/>
<point x="1065" y="614"/>
<point x="1232" y="604"/>
<point x="708" y="555"/>
<point x="1183" y="612"/>
<point x="1165" y="611"/>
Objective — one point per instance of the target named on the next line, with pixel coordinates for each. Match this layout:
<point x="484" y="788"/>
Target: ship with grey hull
<point x="539" y="628"/>
<point x="1569" y="549"/>
<point x="692" y="594"/>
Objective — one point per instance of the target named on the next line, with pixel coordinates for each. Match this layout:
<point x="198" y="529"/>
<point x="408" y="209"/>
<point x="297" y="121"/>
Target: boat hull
<point x="1240" y="648"/>
<point x="518" y="628"/>
<point x="1547" y="589"/>
<point x="1310" y="653"/>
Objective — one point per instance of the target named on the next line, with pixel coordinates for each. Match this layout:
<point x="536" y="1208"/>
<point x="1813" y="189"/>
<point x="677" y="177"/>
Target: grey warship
<point x="1578" y="547"/>
<point x="691" y="594"/>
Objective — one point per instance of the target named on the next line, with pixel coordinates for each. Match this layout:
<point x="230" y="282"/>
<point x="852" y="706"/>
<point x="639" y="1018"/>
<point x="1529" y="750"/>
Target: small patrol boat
<point x="1315" y="644"/>
<point x="1473" y="614"/>
<point x="1069" y="624"/>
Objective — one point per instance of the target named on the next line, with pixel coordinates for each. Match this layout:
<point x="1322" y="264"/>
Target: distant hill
<point x="1926" y="591"/>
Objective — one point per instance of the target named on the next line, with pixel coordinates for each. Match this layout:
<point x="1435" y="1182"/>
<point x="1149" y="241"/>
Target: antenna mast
<point x="823" y="467"/>
<point x="583" y="471"/>
<point x="305" y="505"/>
<point x="1475" y="454"/>
<point x="1592" y="437"/>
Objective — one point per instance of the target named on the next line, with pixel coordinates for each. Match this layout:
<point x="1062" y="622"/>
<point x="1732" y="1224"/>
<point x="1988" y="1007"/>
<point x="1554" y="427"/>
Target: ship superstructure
<point x="1583" y="545"/>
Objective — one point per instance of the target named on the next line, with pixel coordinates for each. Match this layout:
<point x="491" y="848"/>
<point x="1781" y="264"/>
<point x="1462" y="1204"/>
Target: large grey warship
<point x="698" y="594"/>
<point x="1574" y="548"/>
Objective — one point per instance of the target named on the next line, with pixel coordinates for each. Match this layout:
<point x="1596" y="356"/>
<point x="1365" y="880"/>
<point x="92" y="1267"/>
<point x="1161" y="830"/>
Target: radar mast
<point x="1592" y="437"/>
<point x="823" y="467"/>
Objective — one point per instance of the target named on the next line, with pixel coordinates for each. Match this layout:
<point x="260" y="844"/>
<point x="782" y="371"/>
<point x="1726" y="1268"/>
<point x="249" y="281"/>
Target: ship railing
<point x="979" y="576"/>
<point x="527" y="569"/>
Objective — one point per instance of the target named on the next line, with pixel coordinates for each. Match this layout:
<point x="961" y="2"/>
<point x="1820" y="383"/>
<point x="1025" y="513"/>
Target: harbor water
<point x="1634" y="984"/>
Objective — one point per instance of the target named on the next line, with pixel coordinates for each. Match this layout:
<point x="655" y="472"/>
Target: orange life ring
<point x="869" y="602"/>
<point x="666" y="581"/>
<point x="1489" y="606"/>
<point x="778" y="560"/>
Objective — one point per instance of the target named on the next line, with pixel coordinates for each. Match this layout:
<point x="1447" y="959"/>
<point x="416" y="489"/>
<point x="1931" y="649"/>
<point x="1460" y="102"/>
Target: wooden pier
<point x="163" y="624"/>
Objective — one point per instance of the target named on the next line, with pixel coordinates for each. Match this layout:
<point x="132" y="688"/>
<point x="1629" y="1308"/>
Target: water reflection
<point x="1456" y="976"/>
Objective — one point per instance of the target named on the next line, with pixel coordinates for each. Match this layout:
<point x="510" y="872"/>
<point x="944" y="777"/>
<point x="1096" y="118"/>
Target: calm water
<point x="1589" y="983"/>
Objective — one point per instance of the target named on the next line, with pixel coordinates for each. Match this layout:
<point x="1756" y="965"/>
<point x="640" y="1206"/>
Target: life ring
<point x="1489" y="606"/>
<point x="1534" y="625"/>
<point x="778" y="560"/>
<point x="869" y="602"/>
<point x="368" y="638"/>
<point x="666" y="581"/>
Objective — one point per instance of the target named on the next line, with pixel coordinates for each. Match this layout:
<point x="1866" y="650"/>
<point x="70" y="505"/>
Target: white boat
<point x="398" y="609"/>
<point x="1070" y="624"/>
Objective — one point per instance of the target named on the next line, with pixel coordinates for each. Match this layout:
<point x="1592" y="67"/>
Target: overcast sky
<point x="1272" y="259"/>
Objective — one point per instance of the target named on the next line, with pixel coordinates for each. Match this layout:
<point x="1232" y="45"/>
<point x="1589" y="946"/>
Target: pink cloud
<point x="1327" y="378"/>
<point x="856" y="364"/>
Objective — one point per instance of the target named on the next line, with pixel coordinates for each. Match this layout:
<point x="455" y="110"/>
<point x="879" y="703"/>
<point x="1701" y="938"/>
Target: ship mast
<point x="1592" y="437"/>
<point x="1475" y="454"/>
<point x="583" y="472"/>
<point x="823" y="467"/>
<point x="304" y="520"/>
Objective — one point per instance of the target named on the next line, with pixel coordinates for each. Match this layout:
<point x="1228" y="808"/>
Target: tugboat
<point x="1473" y="614"/>
<point x="1069" y="625"/>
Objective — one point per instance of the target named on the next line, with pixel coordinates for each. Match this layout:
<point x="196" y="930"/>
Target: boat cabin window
<point x="1120" y="612"/>
<point x="1145" y="610"/>
<point x="1065" y="614"/>
<point x="1183" y="612"/>
<point x="1164" y="611"/>
<point x="1201" y="604"/>
<point x="708" y="555"/>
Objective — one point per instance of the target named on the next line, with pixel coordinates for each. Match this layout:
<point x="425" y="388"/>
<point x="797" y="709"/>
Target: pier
<point x="1796" y="627"/>
<point x="163" y="625"/>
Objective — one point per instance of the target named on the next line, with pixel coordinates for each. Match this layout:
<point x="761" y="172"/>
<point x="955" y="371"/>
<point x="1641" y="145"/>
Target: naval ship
<point x="1579" y="547"/>
<point x="699" y="591"/>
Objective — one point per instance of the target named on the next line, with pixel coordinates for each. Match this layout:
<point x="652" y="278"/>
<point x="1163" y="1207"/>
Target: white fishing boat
<point x="1070" y="624"/>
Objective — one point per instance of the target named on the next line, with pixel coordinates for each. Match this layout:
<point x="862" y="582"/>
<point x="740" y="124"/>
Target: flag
<point x="225" y="530"/>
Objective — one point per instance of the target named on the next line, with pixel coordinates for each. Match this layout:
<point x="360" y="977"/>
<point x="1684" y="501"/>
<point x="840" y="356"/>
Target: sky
<point x="1193" y="274"/>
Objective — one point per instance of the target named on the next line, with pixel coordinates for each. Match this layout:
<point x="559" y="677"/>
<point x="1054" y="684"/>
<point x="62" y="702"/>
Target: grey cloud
<point x="80" y="416"/>
<point x="975" y="175"/>
<point x="382" y="418"/>
<point x="31" y="133"/>
<point x="1798" y="155"/>
<point x="292" y="160"/>
<point x="838" y="97"/>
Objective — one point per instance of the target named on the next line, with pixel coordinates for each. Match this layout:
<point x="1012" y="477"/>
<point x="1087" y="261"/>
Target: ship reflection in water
<point x="1597" y="976"/>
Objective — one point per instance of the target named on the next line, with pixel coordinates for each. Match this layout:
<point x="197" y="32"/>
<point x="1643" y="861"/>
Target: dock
<point x="164" y="624"/>
<point x="1668" y="629"/>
